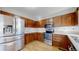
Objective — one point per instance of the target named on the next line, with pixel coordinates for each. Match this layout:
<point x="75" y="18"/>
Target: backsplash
<point x="68" y="28"/>
<point x="56" y="29"/>
<point x="33" y="30"/>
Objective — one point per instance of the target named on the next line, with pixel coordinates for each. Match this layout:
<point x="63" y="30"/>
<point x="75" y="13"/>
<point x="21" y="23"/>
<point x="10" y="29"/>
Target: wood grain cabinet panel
<point x="29" y="23"/>
<point x="66" y="20"/>
<point x="62" y="41"/>
<point x="37" y="24"/>
<point x="77" y="16"/>
<point x="33" y="36"/>
<point x="29" y="38"/>
<point x="69" y="19"/>
<point x="57" y="21"/>
<point x="40" y="37"/>
<point x="42" y="22"/>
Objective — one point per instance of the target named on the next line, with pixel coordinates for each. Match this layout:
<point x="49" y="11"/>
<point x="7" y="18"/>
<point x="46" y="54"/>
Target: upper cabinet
<point x="42" y="22"/>
<point x="37" y="24"/>
<point x="69" y="19"/>
<point x="32" y="23"/>
<point x="57" y="21"/>
<point x="29" y="23"/>
<point x="77" y="12"/>
<point x="66" y="20"/>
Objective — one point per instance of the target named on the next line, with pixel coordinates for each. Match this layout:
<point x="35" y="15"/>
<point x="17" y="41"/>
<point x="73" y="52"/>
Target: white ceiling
<point x="37" y="13"/>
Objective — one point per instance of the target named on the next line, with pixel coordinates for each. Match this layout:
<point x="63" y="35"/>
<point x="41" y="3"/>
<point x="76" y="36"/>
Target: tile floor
<point x="39" y="46"/>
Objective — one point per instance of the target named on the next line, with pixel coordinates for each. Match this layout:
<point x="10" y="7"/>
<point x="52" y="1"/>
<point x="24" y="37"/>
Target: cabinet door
<point x="29" y="23"/>
<point x="66" y="20"/>
<point x="25" y="22"/>
<point x="43" y="22"/>
<point x="61" y="41"/>
<point x="74" y="19"/>
<point x="40" y="37"/>
<point x="29" y="38"/>
<point x="77" y="13"/>
<point x="69" y="19"/>
<point x="33" y="36"/>
<point x="57" y="21"/>
<point x="37" y="24"/>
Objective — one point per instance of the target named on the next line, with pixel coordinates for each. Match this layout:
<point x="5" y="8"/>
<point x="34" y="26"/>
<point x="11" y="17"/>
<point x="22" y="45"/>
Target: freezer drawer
<point x="15" y="45"/>
<point x="8" y="46"/>
<point x="7" y="39"/>
<point x="12" y="46"/>
<point x="19" y="42"/>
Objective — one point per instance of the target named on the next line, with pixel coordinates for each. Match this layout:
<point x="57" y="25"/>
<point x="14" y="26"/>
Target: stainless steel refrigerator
<point x="11" y="33"/>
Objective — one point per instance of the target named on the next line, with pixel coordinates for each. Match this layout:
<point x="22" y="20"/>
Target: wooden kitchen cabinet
<point x="29" y="23"/>
<point x="69" y="19"/>
<point x="61" y="41"/>
<point x="42" y="22"/>
<point x="33" y="36"/>
<point x="57" y="21"/>
<point x="77" y="15"/>
<point x="66" y="20"/>
<point x="40" y="37"/>
<point x="29" y="38"/>
<point x="37" y="24"/>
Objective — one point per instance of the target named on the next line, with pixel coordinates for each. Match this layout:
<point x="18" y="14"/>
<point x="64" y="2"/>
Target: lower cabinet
<point x="61" y="41"/>
<point x="39" y="37"/>
<point x="29" y="37"/>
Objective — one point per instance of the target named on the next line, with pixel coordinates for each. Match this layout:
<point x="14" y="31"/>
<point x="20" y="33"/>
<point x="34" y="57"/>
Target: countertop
<point x="34" y="30"/>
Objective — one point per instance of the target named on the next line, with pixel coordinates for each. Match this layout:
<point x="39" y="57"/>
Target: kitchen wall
<point x="56" y="29"/>
<point x="34" y="30"/>
<point x="66" y="29"/>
